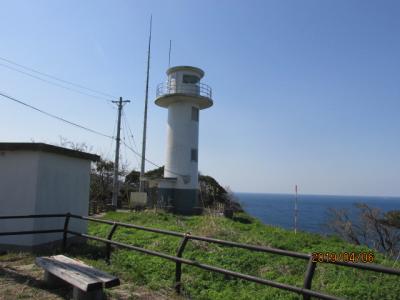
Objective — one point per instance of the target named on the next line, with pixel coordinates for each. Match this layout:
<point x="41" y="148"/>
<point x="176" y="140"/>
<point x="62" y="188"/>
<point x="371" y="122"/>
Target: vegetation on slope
<point x="157" y="274"/>
<point x="212" y="194"/>
<point x="377" y="229"/>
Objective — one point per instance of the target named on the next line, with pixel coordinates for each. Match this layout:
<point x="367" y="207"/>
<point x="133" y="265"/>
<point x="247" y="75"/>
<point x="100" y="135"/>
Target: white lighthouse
<point x="184" y="96"/>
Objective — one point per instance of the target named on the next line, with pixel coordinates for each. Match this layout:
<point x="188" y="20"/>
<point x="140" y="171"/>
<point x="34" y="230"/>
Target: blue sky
<point x="305" y="92"/>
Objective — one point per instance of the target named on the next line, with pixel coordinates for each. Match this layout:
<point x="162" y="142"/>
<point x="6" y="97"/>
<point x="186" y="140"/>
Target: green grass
<point x="158" y="274"/>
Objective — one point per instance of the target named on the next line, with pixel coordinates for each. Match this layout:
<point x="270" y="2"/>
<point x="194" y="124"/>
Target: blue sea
<point x="278" y="209"/>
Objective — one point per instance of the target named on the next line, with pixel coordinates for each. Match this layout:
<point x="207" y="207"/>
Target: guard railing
<point x="306" y="290"/>
<point x="196" y="89"/>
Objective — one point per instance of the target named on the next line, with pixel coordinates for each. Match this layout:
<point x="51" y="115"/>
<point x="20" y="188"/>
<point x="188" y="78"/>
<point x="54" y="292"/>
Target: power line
<point x="125" y="152"/>
<point x="56" y="78"/>
<point x="54" y="116"/>
<point x="82" y="127"/>
<point x="113" y="136"/>
<point x="130" y="137"/>
<point x="138" y="154"/>
<point x="149" y="161"/>
<point x="53" y="83"/>
<point x="129" y="129"/>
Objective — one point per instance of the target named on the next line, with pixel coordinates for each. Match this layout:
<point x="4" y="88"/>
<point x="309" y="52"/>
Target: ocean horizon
<point x="278" y="209"/>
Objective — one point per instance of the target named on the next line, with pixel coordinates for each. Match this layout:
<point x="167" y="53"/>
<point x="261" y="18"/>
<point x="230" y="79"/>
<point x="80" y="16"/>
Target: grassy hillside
<point x="157" y="274"/>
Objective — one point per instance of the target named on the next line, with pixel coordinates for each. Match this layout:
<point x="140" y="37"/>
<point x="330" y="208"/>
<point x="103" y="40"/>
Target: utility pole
<point x="142" y="167"/>
<point x="116" y="161"/>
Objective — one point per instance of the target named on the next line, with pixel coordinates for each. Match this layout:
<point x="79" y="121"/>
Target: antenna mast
<point x="169" y="54"/>
<point x="142" y="167"/>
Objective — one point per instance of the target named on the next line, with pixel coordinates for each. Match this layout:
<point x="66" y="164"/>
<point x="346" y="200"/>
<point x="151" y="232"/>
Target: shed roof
<point x="48" y="148"/>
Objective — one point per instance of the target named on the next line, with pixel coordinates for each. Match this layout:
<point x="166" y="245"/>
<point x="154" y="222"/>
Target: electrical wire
<point x="53" y="83"/>
<point x="137" y="152"/>
<point x="152" y="163"/>
<point x="84" y="128"/>
<point x="125" y="152"/>
<point x="126" y="125"/>
<point x="56" y="78"/>
<point x="130" y="131"/>
<point x="113" y="136"/>
<point x="54" y="116"/>
<point x="130" y="135"/>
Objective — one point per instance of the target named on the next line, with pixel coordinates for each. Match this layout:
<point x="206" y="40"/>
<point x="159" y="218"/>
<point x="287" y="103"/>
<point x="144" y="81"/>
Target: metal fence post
<point x="309" y="276"/>
<point x="65" y="232"/>
<point x="108" y="245"/>
<point x="306" y="290"/>
<point x="178" y="269"/>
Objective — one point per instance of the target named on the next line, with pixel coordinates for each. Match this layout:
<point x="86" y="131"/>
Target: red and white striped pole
<point x="295" y="210"/>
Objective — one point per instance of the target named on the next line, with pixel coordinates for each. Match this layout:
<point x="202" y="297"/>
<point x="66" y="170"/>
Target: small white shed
<point x="37" y="178"/>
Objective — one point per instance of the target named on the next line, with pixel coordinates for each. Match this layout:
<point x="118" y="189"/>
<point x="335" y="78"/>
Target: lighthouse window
<point x="195" y="114"/>
<point x="193" y="155"/>
<point x="190" y="79"/>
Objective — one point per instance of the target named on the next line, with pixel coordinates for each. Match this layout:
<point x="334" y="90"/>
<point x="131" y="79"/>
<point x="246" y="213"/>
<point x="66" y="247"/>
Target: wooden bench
<point x="87" y="282"/>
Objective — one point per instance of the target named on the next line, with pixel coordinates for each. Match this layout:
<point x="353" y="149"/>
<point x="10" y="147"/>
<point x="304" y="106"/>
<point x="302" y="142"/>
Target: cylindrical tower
<point x="184" y="96"/>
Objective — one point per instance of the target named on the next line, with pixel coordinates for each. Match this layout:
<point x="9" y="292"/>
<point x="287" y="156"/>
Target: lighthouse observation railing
<point x="305" y="290"/>
<point x="196" y="89"/>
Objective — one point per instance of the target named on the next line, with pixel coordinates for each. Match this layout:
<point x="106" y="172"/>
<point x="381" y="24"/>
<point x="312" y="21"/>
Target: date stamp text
<point x="364" y="257"/>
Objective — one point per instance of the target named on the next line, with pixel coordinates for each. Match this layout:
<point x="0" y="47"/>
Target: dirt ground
<point x="20" y="278"/>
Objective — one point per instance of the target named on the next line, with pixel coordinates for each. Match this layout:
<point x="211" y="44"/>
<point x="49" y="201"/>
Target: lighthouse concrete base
<point x="181" y="201"/>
